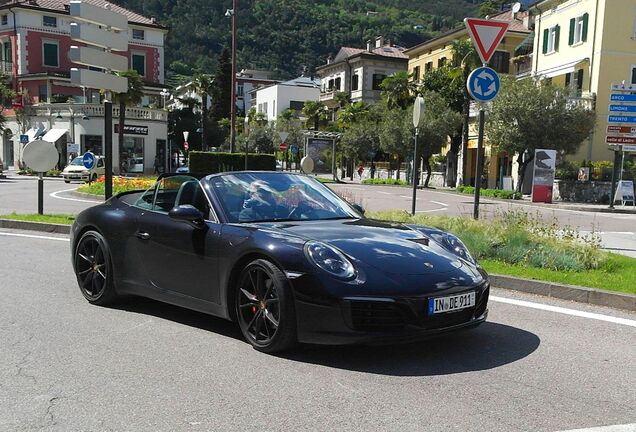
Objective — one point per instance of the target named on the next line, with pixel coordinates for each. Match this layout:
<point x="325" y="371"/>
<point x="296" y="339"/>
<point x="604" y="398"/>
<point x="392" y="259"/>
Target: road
<point x="144" y="366"/>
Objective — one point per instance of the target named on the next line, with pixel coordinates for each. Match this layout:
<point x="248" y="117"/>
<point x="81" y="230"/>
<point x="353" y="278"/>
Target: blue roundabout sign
<point x="88" y="159"/>
<point x="483" y="84"/>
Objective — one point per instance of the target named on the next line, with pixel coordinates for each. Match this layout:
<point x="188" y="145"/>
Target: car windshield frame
<point x="284" y="188"/>
<point x="78" y="161"/>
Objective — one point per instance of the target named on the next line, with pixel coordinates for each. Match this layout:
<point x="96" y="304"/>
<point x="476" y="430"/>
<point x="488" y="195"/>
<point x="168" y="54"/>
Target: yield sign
<point x="486" y="35"/>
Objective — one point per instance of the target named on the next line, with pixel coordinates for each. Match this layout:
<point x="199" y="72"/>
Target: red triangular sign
<point x="486" y="35"/>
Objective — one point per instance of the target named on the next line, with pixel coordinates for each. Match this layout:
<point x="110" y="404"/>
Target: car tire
<point x="265" y="307"/>
<point x="94" y="269"/>
<point x="67" y="181"/>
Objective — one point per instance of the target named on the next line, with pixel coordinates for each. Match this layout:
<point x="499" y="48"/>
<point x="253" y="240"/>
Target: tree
<point x="201" y="84"/>
<point x="359" y="139"/>
<point x="398" y="90"/>
<point x="396" y="135"/>
<point x="221" y="99"/>
<point x="131" y="98"/>
<point x="315" y="112"/>
<point x="490" y="7"/>
<point x="351" y="113"/>
<point x="6" y="95"/>
<point x="529" y="115"/>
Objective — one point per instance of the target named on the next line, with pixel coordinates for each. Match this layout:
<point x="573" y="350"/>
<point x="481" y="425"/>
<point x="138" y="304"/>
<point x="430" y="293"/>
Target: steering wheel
<point x="300" y="210"/>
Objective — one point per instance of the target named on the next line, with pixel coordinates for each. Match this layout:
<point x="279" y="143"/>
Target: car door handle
<point x="142" y="235"/>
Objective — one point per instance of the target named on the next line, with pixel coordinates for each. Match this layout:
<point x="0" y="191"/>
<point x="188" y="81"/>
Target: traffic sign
<point x="293" y="149"/>
<point x="629" y="148"/>
<point x="24" y="139"/>
<point x="486" y="35"/>
<point x="620" y="140"/>
<point x="282" y="147"/>
<point x="622" y="108"/>
<point x="483" y="84"/>
<point x="100" y="16"/>
<point x="621" y="119"/>
<point x="40" y="155"/>
<point x="99" y="80"/>
<point x="623" y="87"/>
<point x="186" y="146"/>
<point x="88" y="159"/>
<point x="90" y="56"/>
<point x="100" y="37"/>
<point x="418" y="112"/>
<point x="625" y="130"/>
<point x="622" y="98"/>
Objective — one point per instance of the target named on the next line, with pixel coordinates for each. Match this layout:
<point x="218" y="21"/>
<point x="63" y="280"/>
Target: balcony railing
<point x="94" y="110"/>
<point x="327" y="95"/>
<point x="585" y="100"/>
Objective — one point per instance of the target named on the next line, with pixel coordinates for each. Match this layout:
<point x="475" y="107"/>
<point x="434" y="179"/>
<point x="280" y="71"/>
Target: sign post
<point x="102" y="30"/>
<point x="418" y="118"/>
<point x="40" y="156"/>
<point x="483" y="83"/>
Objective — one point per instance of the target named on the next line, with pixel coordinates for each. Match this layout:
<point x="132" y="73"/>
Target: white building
<point x="292" y="94"/>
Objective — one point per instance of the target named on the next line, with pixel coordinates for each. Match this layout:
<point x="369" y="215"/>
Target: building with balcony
<point x="358" y="72"/>
<point x="34" y="54"/>
<point x="274" y="99"/>
<point x="586" y="45"/>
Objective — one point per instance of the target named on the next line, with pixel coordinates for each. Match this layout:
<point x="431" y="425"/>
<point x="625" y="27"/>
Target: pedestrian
<point x="156" y="166"/>
<point x="372" y="170"/>
<point x="360" y="171"/>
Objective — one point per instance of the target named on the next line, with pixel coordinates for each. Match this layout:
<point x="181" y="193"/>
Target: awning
<point x="526" y="46"/>
<point x="54" y="134"/>
<point x="561" y="69"/>
<point x="31" y="133"/>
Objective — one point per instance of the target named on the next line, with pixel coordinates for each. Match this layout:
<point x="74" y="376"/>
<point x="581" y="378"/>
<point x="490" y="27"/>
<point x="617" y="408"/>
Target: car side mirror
<point x="187" y="213"/>
<point x="358" y="207"/>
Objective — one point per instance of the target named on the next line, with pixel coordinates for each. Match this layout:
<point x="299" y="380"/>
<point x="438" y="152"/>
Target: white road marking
<point x="614" y="428"/>
<point x="35" y="236"/>
<point x="432" y="210"/>
<point x="566" y="311"/>
<point x="385" y="193"/>
<point x="440" y="203"/>
<point x="54" y="195"/>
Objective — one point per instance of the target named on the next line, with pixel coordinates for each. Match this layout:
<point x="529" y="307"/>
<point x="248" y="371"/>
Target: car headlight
<point x="453" y="244"/>
<point x="85" y="172"/>
<point x="329" y="259"/>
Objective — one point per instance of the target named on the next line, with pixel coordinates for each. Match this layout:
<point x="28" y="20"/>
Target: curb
<point x="566" y="292"/>
<point x="35" y="226"/>
<point x="547" y="289"/>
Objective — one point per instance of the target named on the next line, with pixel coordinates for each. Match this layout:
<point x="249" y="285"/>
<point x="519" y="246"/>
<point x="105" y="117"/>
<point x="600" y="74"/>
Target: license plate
<point x="451" y="303"/>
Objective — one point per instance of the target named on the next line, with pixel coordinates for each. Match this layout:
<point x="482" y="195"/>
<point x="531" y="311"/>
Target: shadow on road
<point x="489" y="346"/>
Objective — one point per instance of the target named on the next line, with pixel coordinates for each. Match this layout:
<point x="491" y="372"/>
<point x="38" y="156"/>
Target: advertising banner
<point x="625" y="192"/>
<point x="320" y="151"/>
<point x="543" y="179"/>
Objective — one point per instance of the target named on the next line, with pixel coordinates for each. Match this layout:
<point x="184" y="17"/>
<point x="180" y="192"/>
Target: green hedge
<point x="494" y="193"/>
<point x="378" y="181"/>
<point x="211" y="163"/>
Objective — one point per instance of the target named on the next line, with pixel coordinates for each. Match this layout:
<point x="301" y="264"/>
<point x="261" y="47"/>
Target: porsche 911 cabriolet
<point x="283" y="256"/>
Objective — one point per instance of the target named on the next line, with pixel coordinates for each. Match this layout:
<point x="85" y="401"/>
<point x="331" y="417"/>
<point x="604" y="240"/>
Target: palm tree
<point x="315" y="113"/>
<point x="398" y="90"/>
<point x="201" y="84"/>
<point x="352" y="113"/>
<point x="131" y="98"/>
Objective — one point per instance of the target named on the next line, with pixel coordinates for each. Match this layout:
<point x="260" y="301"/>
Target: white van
<point x="76" y="170"/>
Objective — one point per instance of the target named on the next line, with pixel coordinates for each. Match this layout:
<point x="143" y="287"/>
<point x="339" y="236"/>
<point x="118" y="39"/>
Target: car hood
<point x="75" y="168"/>
<point x="390" y="247"/>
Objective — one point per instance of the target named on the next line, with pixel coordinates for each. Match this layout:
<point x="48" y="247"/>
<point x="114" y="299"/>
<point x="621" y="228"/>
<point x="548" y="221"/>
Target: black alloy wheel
<point x="93" y="268"/>
<point x="264" y="307"/>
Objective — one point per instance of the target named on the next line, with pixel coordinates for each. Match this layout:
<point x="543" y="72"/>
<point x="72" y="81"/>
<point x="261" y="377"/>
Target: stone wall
<point x="582" y="192"/>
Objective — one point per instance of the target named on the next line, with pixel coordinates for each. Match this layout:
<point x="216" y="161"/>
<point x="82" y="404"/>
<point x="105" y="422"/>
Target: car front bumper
<point x="383" y="320"/>
<point x="82" y="177"/>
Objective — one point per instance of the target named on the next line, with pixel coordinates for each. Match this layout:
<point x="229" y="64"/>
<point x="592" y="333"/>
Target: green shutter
<point x="557" y="31"/>
<point x="571" y="35"/>
<point x="546" y="35"/>
<point x="586" y="18"/>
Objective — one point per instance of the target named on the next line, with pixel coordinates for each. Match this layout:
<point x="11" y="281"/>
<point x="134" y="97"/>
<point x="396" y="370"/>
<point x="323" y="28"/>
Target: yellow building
<point x="437" y="52"/>
<point x="586" y="45"/>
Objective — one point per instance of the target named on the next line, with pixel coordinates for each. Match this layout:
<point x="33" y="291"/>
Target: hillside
<point x="286" y="36"/>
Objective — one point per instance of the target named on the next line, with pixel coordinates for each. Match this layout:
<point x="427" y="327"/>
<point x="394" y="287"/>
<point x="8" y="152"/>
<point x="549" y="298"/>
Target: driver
<point x="261" y="205"/>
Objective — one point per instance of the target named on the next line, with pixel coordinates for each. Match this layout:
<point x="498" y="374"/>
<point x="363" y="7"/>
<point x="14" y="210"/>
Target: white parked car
<point x="76" y="170"/>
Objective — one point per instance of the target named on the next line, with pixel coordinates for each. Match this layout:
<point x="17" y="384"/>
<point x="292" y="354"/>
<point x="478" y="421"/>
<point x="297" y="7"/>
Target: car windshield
<point x="77" y="161"/>
<point x="270" y="197"/>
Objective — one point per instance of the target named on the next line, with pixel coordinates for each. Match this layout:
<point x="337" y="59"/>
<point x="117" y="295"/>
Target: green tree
<point x="396" y="135"/>
<point x="351" y="113"/>
<point x="529" y="115"/>
<point x="221" y="99"/>
<point x="398" y="90"/>
<point x="201" y="85"/>
<point x="6" y="95"/>
<point x="131" y="98"/>
<point x="315" y="112"/>
<point x="490" y="7"/>
<point x="359" y="139"/>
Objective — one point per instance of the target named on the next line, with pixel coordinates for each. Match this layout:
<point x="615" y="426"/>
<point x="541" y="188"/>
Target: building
<point x="35" y="40"/>
<point x="437" y="52"/>
<point x="586" y="45"/>
<point x="292" y="94"/>
<point x="359" y="72"/>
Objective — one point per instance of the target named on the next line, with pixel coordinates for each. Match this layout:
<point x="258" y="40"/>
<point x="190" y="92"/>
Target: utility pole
<point x="233" y="91"/>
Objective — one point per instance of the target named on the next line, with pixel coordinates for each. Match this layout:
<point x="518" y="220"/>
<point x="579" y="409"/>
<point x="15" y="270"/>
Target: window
<point x="49" y="21"/>
<point x="240" y="90"/>
<point x="428" y="67"/>
<point x="50" y="54"/>
<point x="132" y="155"/>
<point x="296" y="105"/>
<point x="330" y="85"/>
<point x="139" y="63"/>
<point x="138" y="34"/>
<point x="441" y="62"/>
<point x="416" y="73"/>
<point x="4" y="19"/>
<point x="273" y="108"/>
<point x="578" y="29"/>
<point x="501" y="62"/>
<point x="354" y="82"/>
<point x="43" y="93"/>
<point x="337" y="84"/>
<point x="551" y="39"/>
<point x="377" y="80"/>
<point x="574" y="81"/>
<point x="265" y="108"/>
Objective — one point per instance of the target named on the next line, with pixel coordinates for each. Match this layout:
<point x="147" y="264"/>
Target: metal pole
<point x="620" y="175"/>
<point x="233" y="90"/>
<point x="480" y="146"/>
<point x="614" y="178"/>
<point x="40" y="194"/>
<point x="108" y="148"/>
<point x="414" y="173"/>
<point x="247" y="145"/>
<point x="333" y="162"/>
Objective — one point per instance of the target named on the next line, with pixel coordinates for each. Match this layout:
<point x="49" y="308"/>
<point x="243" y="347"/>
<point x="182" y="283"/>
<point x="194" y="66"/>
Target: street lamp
<point x="164" y="94"/>
<point x="231" y="13"/>
<point x="246" y="128"/>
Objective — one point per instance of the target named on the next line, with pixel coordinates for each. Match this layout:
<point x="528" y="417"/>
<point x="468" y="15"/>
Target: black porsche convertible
<point x="282" y="255"/>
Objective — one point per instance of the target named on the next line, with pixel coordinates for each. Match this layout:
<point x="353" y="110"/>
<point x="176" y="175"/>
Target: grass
<point x="120" y="184"/>
<point x="64" y="219"/>
<point x="493" y="193"/>
<point x="515" y="243"/>
<point x="391" y="182"/>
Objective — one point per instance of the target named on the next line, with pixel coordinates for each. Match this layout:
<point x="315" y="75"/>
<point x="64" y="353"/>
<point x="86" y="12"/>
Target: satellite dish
<point x="307" y="165"/>
<point x="516" y="8"/>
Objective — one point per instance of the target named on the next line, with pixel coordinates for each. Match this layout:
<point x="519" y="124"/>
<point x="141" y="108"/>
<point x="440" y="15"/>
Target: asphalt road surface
<point x="143" y="366"/>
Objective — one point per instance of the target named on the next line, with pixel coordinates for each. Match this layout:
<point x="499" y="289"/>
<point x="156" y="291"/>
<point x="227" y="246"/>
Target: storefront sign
<point x="133" y="129"/>
<point x="543" y="179"/>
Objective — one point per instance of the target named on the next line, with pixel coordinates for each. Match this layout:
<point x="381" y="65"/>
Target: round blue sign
<point x="293" y="149"/>
<point x="483" y="84"/>
<point x="88" y="159"/>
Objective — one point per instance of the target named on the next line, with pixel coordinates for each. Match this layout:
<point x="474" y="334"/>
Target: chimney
<point x="379" y="42"/>
<point x="369" y="46"/>
<point x="329" y="59"/>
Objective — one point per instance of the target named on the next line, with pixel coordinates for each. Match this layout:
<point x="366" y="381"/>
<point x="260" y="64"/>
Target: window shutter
<point x="557" y="31"/>
<point x="571" y="36"/>
<point x="546" y="35"/>
<point x="586" y="18"/>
